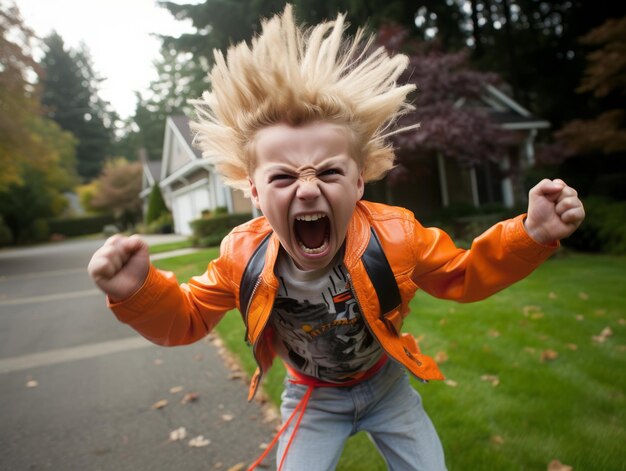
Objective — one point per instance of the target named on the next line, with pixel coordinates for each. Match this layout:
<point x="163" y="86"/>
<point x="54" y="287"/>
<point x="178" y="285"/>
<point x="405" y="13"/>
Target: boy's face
<point x="307" y="185"/>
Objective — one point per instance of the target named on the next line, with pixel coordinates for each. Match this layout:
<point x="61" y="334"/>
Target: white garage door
<point x="189" y="206"/>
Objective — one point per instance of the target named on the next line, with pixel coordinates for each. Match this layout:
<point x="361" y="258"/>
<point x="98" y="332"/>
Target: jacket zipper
<point x="254" y="345"/>
<point x="245" y="321"/>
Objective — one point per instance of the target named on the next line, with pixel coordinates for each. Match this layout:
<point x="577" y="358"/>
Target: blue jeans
<point x="385" y="406"/>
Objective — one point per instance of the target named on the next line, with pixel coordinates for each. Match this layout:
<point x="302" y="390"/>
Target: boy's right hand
<point x="120" y="266"/>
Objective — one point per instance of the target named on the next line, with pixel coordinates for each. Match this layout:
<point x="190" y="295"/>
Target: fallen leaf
<point x="536" y="315"/>
<point x="606" y="332"/>
<point x="227" y="417"/>
<point x="580" y="317"/>
<point x="189" y="397"/>
<point x="199" y="442"/>
<point x="552" y="295"/>
<point x="32" y="383"/>
<point x="493" y="379"/>
<point x="527" y="310"/>
<point x="530" y="350"/>
<point x="158" y="362"/>
<point x="556" y="465"/>
<point x="451" y="383"/>
<point x="237" y="467"/>
<point x="493" y="333"/>
<point x="218" y="465"/>
<point x="549" y="355"/>
<point x="198" y="357"/>
<point x="572" y="346"/>
<point x="159" y="404"/>
<point x="270" y="414"/>
<point x="178" y="434"/>
<point x="621" y="321"/>
<point x="264" y="446"/>
<point x="443" y="321"/>
<point x="441" y="357"/>
<point x="584" y="296"/>
<point x="600" y="312"/>
<point x="176" y="389"/>
<point x="236" y="375"/>
<point x="497" y="440"/>
<point x="621" y="348"/>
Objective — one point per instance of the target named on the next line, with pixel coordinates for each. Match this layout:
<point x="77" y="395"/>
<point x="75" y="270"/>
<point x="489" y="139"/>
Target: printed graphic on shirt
<point x="323" y="333"/>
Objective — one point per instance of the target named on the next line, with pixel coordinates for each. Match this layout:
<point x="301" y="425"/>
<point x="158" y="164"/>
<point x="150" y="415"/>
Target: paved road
<point x="76" y="386"/>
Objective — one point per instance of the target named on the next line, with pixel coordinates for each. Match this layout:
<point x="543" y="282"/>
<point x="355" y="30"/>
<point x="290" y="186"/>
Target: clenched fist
<point x="120" y="266"/>
<point x="554" y="211"/>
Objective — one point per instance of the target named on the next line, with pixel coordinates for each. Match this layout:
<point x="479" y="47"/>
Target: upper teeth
<point x="310" y="217"/>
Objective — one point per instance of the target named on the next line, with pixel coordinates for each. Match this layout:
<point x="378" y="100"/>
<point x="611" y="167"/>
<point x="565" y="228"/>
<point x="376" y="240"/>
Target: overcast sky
<point x="118" y="34"/>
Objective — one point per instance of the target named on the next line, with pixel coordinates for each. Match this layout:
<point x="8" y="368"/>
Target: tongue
<point x="311" y="233"/>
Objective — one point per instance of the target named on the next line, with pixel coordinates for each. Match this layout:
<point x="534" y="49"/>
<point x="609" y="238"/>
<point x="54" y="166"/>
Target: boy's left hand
<point x="554" y="211"/>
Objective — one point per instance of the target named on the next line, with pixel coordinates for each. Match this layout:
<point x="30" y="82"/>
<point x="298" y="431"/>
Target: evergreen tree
<point x="70" y="97"/>
<point x="156" y="205"/>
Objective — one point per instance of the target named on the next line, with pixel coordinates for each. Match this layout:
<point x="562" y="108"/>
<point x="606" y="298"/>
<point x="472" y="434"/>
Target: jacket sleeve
<point x="168" y="314"/>
<point x="499" y="257"/>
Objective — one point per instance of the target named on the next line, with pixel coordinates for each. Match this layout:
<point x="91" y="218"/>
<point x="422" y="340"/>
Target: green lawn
<point x="527" y="380"/>
<point x="168" y="246"/>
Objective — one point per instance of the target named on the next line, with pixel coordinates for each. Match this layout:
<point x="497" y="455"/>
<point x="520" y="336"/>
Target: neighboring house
<point x="439" y="182"/>
<point x="188" y="182"/>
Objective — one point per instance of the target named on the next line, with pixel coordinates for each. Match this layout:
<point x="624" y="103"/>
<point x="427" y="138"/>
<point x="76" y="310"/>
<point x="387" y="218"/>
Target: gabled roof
<point x="182" y="125"/>
<point x="177" y="127"/>
<point x="508" y="113"/>
<point x="152" y="169"/>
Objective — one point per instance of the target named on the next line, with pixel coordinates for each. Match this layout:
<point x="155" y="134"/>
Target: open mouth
<point x="312" y="232"/>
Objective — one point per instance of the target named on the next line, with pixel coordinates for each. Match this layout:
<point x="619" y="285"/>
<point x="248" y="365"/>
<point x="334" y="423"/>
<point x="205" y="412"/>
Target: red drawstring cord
<point x="300" y="407"/>
<point x="312" y="383"/>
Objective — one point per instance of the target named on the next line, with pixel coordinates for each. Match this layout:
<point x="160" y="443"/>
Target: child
<point x="323" y="280"/>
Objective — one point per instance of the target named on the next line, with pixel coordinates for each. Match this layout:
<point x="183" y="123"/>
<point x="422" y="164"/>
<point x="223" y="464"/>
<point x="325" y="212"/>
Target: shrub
<point x="604" y="228"/>
<point x="164" y="224"/>
<point x="208" y="232"/>
<point x="71" y="227"/>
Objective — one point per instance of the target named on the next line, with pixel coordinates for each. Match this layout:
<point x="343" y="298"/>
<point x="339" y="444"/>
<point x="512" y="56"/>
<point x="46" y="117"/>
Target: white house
<point x="188" y="183"/>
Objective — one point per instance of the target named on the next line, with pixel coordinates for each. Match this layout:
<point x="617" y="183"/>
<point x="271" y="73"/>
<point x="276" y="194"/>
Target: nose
<point x="308" y="189"/>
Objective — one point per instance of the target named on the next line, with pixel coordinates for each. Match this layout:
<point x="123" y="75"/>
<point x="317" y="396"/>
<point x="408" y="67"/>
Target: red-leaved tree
<point x="445" y="106"/>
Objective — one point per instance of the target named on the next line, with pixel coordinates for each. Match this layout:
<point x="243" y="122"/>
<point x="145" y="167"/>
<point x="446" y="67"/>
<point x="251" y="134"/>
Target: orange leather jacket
<point x="418" y="258"/>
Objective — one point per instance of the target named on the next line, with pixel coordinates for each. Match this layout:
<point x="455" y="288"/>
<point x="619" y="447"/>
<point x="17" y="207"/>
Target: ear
<point x="254" y="194"/>
<point x="360" y="185"/>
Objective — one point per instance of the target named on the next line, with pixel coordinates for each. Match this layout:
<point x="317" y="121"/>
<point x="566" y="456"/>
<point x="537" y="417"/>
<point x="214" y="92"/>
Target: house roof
<point x="182" y="124"/>
<point x="510" y="120"/>
<point x="154" y="167"/>
<point x="508" y="113"/>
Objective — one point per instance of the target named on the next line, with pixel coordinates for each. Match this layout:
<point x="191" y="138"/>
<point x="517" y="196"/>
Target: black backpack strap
<point x="250" y="276"/>
<point x="379" y="271"/>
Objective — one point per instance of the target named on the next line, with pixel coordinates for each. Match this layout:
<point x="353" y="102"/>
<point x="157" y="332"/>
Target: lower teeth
<point x="319" y="249"/>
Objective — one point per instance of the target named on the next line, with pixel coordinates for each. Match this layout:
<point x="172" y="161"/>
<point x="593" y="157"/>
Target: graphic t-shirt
<point x="319" y="328"/>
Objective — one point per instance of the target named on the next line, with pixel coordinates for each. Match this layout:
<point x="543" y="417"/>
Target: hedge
<point x="209" y="231"/>
<point x="604" y="227"/>
<point x="70" y="227"/>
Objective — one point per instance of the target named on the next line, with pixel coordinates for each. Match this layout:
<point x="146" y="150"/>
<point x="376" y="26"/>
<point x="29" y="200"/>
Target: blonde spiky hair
<point x="296" y="76"/>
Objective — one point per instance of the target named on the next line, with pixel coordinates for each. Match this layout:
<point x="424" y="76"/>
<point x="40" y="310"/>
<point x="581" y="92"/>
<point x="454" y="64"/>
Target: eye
<point x="281" y="178"/>
<point x="329" y="172"/>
